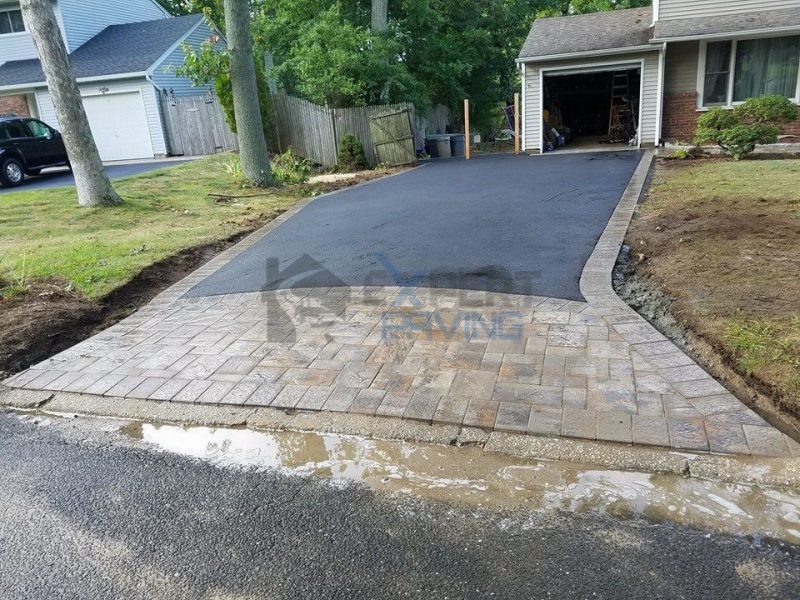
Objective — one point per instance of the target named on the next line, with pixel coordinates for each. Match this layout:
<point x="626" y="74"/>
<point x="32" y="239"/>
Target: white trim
<point x="594" y="67"/>
<point x="662" y="59"/>
<point x="656" y="7"/>
<point x="540" y="116"/>
<point x="175" y="46"/>
<point x="522" y="110"/>
<point x="40" y="84"/>
<point x="588" y="54"/>
<point x="639" y="131"/>
<point x="14" y="8"/>
<point x="731" y="35"/>
<point x="729" y="101"/>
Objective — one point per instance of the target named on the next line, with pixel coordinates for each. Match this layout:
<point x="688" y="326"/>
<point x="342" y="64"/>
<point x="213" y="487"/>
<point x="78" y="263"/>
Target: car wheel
<point x="11" y="172"/>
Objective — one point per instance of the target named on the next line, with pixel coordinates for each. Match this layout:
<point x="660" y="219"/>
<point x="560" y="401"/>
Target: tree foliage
<point x="431" y="52"/>
<point x="211" y="64"/>
<point x="738" y="131"/>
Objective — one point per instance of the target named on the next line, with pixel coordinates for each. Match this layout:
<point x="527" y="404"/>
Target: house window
<point x="11" y="21"/>
<point x="718" y="72"/>
<point x="741" y="69"/>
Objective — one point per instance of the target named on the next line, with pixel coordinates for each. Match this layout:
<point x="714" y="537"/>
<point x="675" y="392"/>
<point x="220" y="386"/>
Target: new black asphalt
<point x="85" y="515"/>
<point x="503" y="223"/>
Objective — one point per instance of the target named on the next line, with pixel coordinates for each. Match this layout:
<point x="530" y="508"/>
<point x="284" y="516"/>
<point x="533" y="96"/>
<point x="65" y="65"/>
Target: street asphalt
<point x="63" y="177"/>
<point x="86" y="513"/>
<point x="504" y="223"/>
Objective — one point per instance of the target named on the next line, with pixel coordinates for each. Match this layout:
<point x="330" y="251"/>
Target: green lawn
<point x="44" y="235"/>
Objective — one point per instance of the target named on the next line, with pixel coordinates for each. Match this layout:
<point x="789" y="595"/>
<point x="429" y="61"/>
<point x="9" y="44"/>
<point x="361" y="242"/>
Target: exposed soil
<point x="48" y="318"/>
<point x="691" y="267"/>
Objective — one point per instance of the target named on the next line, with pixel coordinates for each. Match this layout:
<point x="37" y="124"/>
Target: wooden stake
<point x="516" y="123"/>
<point x="466" y="129"/>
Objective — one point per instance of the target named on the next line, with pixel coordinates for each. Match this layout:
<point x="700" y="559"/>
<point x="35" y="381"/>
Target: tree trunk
<point x="91" y="181"/>
<point x="379" y="18"/>
<point x="249" y="128"/>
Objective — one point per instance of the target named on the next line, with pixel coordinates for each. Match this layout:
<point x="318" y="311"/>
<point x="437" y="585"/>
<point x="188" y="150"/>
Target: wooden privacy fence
<point x="393" y="135"/>
<point x="196" y="126"/>
<point x="315" y="131"/>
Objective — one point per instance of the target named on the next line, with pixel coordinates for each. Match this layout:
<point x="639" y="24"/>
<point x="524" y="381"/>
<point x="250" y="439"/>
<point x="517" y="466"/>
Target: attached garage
<point x="122" y="73"/>
<point x="125" y="118"/>
<point x="584" y="109"/>
<point x="593" y="78"/>
<point x="119" y="125"/>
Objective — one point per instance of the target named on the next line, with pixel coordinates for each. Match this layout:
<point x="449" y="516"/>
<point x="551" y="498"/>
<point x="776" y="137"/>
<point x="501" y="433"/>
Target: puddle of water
<point x="471" y="477"/>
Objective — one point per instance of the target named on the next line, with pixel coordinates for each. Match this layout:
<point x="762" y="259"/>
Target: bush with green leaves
<point x="351" y="154"/>
<point x="737" y="131"/>
<point x="288" y="168"/>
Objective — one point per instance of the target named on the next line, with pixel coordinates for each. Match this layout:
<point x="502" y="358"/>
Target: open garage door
<point x="119" y="125"/>
<point x="597" y="108"/>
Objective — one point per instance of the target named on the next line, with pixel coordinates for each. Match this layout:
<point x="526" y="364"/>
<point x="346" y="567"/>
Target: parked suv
<point x="26" y="147"/>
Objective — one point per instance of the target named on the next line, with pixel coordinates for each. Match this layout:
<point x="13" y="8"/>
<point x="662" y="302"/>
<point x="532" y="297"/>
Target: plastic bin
<point x="443" y="146"/>
<point x="458" y="144"/>
<point x="430" y="147"/>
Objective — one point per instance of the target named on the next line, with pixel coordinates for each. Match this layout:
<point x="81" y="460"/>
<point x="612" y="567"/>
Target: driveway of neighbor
<point x="502" y="223"/>
<point x="54" y="178"/>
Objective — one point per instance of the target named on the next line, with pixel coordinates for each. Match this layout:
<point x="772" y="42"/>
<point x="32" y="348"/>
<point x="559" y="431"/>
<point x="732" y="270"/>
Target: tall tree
<point x="91" y="181"/>
<point x="249" y="126"/>
<point x="379" y="16"/>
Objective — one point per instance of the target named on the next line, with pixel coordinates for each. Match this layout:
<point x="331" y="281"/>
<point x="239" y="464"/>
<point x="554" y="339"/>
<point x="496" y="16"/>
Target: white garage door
<point x="119" y="126"/>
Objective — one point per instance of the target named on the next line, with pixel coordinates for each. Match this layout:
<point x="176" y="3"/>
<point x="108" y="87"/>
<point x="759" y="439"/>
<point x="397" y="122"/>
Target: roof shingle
<point x="118" y="49"/>
<point x="585" y="33"/>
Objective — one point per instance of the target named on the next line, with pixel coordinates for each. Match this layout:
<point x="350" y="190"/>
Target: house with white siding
<point x="124" y="54"/>
<point x="640" y="77"/>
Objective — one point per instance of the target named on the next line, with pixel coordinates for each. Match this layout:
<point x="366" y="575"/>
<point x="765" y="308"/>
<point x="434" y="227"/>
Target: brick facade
<point x="681" y="114"/>
<point x="680" y="117"/>
<point x="17" y="105"/>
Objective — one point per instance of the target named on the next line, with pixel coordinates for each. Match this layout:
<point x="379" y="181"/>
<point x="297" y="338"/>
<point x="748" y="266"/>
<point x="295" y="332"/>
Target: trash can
<point x="458" y="144"/>
<point x="430" y="147"/>
<point x="443" y="146"/>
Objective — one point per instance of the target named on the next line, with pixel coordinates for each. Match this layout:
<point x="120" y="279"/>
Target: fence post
<point x="467" y="143"/>
<point x="335" y="139"/>
<point x="516" y="122"/>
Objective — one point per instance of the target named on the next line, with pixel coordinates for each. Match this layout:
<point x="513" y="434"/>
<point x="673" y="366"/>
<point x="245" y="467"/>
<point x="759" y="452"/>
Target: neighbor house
<point x="643" y="76"/>
<point x="124" y="54"/>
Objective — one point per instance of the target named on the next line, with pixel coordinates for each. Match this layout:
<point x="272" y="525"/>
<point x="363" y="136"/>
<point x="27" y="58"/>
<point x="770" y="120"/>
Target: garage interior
<point x="598" y="109"/>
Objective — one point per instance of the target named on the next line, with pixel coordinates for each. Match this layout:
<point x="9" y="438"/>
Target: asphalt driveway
<point x="513" y="224"/>
<point x="63" y="177"/>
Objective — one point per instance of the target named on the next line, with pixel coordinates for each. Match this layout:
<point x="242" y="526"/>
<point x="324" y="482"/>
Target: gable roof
<point x="554" y="36"/>
<point x="118" y="49"/>
<point x="677" y="29"/>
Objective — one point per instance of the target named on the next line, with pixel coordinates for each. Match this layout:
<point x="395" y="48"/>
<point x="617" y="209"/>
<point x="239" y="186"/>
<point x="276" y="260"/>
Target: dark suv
<point x="26" y="147"/>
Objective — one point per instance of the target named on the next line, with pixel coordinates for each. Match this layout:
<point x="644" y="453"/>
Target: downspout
<point x="662" y="59"/>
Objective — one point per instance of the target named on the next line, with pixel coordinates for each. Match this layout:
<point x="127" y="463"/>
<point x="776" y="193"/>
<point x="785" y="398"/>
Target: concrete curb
<point x="783" y="472"/>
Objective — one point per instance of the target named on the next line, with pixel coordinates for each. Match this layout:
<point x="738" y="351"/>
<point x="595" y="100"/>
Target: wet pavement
<point x="124" y="509"/>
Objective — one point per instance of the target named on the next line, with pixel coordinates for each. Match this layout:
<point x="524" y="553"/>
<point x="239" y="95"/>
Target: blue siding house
<point x="125" y="54"/>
